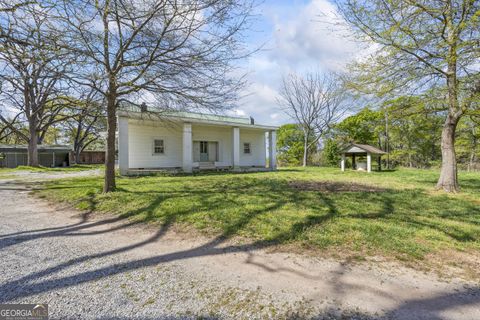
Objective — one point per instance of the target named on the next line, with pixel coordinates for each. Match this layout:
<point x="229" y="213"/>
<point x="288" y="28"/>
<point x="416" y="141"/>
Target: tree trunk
<point x="77" y="153"/>
<point x="305" y="150"/>
<point x="109" y="183"/>
<point x="387" y="141"/>
<point x="473" y="152"/>
<point x="471" y="162"/>
<point x="77" y="141"/>
<point x="448" y="180"/>
<point x="33" y="147"/>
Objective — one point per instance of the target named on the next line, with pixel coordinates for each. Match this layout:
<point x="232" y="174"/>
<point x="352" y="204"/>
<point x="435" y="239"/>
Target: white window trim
<point x="249" y="148"/>
<point x="153" y="147"/>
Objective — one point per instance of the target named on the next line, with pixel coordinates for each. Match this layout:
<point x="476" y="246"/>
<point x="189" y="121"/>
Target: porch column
<point x="272" y="150"/>
<point x="187" y="147"/>
<point x="236" y="148"/>
<point x="123" y="145"/>
<point x="369" y="162"/>
<point x="342" y="162"/>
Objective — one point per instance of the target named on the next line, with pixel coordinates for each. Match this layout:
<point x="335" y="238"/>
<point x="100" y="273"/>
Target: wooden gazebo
<point x="360" y="150"/>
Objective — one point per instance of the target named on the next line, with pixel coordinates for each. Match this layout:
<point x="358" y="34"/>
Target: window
<point x="246" y="148"/>
<point x="203" y="147"/>
<point x="158" y="146"/>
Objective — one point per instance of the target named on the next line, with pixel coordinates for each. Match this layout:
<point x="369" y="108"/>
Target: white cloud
<point x="237" y="112"/>
<point x="302" y="38"/>
<point x="315" y="37"/>
<point x="264" y="93"/>
<point x="260" y="102"/>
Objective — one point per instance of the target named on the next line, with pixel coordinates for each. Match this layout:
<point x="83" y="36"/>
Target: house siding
<point x="257" y="148"/>
<point x="140" y="145"/>
<point x="142" y="133"/>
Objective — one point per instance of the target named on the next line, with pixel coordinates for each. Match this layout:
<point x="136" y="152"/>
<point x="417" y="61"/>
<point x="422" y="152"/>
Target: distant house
<point x="12" y="156"/>
<point x="192" y="141"/>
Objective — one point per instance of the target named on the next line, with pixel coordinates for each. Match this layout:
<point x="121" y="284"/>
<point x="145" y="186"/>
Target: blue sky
<point x="297" y="36"/>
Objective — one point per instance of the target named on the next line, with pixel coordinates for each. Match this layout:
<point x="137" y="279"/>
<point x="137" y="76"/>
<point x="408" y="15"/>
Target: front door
<point x="203" y="151"/>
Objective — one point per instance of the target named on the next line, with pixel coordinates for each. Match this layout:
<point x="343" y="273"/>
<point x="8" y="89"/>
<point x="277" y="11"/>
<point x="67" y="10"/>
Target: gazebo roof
<point x="362" y="148"/>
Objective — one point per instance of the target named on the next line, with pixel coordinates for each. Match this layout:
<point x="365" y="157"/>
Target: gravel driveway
<point x="90" y="267"/>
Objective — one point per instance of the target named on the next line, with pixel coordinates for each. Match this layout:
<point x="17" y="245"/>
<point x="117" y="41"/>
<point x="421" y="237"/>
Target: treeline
<point x="407" y="127"/>
<point x="424" y="49"/>
<point x="81" y="125"/>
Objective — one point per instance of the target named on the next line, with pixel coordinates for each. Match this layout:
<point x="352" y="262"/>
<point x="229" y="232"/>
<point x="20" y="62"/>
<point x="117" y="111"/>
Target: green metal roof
<point x="205" y="116"/>
<point x="41" y="147"/>
<point x="155" y="113"/>
<point x="187" y="114"/>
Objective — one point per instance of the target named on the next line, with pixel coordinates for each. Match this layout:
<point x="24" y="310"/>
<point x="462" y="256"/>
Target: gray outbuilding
<point x="12" y="156"/>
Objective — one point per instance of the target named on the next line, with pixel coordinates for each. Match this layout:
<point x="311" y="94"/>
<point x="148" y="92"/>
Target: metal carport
<point x="12" y="156"/>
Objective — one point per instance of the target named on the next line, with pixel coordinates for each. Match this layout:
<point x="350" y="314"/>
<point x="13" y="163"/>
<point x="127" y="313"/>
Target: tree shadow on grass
<point x="470" y="184"/>
<point x="213" y="247"/>
<point x="276" y="195"/>
<point x="74" y="230"/>
<point x="467" y="184"/>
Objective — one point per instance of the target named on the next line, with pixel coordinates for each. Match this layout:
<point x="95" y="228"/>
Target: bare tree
<point x="86" y="123"/>
<point x="179" y="52"/>
<point x="32" y="76"/>
<point x="9" y="136"/>
<point x="420" y="45"/>
<point x="7" y="6"/>
<point x="314" y="102"/>
<point x="10" y="6"/>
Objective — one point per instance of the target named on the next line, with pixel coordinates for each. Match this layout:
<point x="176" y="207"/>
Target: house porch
<point x="150" y="146"/>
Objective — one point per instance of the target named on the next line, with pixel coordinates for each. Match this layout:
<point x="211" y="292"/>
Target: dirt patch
<point x="450" y="263"/>
<point x="330" y="186"/>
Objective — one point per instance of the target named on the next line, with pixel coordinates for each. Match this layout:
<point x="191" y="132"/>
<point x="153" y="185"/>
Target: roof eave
<point x="358" y="145"/>
<point x="143" y="116"/>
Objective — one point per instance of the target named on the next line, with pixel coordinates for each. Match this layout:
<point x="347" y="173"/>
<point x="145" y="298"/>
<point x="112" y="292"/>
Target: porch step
<point x="206" y="165"/>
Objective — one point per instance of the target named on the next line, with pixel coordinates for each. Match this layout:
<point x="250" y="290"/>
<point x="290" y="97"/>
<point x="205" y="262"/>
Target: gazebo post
<point x="369" y="162"/>
<point x="354" y="164"/>
<point x="342" y="162"/>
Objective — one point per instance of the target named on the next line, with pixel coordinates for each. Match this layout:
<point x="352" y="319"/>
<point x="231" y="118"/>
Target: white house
<point x="192" y="141"/>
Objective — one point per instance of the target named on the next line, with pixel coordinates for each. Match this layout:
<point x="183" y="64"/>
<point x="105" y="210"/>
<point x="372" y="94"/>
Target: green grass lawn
<point x="396" y="214"/>
<point x="72" y="168"/>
